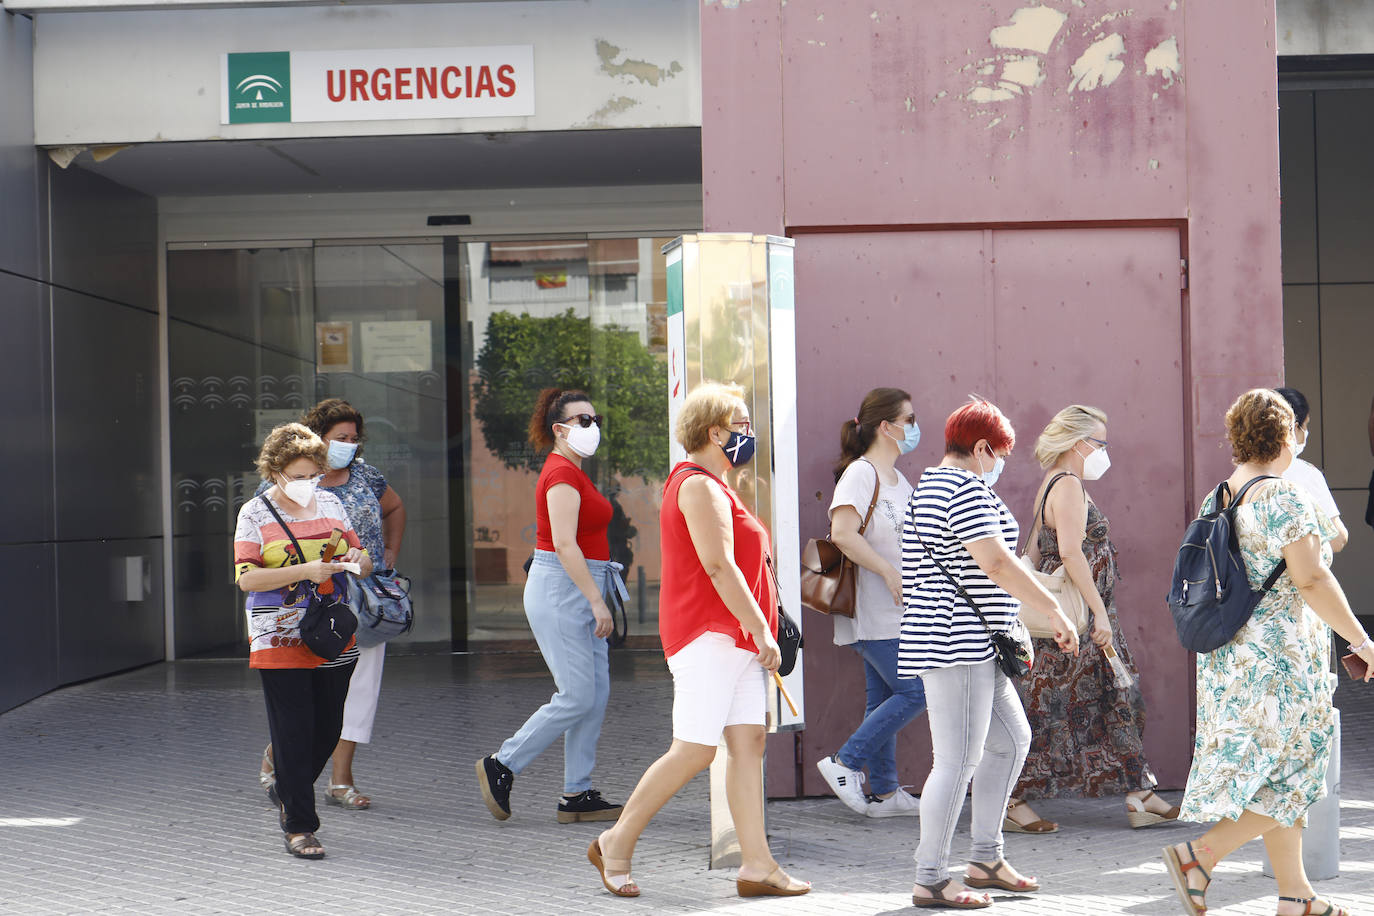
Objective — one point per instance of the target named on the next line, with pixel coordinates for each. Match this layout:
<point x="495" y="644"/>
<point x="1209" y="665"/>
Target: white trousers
<point x="361" y="706"/>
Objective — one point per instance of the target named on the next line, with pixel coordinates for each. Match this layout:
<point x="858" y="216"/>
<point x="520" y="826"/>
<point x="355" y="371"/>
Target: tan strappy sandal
<point x="778" y="883"/>
<point x="964" y="900"/>
<point x="1140" y="816"/>
<point x="993" y="877"/>
<point x="1040" y="825"/>
<point x="347" y="797"/>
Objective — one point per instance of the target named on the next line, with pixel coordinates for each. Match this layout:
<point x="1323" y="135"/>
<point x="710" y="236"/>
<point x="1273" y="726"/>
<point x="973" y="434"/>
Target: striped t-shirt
<point x="951" y="507"/>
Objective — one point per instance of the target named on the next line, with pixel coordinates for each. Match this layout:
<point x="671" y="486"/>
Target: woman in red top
<point x="718" y="619"/>
<point x="570" y="572"/>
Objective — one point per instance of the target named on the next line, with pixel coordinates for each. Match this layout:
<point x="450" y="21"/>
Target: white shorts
<point x="715" y="684"/>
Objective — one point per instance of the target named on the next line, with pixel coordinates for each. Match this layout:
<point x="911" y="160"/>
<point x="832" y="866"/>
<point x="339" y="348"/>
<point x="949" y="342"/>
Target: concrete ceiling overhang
<point x="587" y="158"/>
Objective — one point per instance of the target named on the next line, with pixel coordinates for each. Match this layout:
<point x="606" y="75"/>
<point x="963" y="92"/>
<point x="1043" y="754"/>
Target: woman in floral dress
<point x="1085" y="730"/>
<point x="1264" y="714"/>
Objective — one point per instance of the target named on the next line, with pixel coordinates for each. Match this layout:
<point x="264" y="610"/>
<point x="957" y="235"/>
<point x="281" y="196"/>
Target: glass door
<point x="568" y="313"/>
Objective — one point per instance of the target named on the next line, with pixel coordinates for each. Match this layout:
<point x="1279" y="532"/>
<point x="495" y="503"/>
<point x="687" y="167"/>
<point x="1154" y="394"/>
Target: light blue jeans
<point x="562" y="622"/>
<point x="892" y="703"/>
<point x="978" y="731"/>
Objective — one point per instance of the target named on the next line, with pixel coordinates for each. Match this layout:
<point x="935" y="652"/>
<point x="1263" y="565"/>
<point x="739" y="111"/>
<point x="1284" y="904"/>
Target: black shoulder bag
<point x="328" y="623"/>
<point x="1014" y="655"/>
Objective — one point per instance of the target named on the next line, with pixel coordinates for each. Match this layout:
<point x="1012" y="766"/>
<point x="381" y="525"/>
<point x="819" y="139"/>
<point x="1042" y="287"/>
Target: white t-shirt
<point x="876" y="616"/>
<point x="1310" y="478"/>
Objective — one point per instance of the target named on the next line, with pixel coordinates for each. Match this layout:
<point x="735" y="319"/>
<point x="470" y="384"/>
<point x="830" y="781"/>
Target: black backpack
<point x="1210" y="596"/>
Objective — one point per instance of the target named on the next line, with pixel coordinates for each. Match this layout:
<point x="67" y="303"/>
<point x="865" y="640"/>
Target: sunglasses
<point x="582" y="419"/>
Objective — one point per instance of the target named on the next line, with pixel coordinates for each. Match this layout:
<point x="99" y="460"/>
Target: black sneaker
<point x="495" y="778"/>
<point x="587" y="806"/>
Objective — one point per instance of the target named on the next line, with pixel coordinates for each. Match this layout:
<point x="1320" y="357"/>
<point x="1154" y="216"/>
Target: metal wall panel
<point x="104" y="238"/>
<point x="1345" y="191"/>
<point x="105" y="404"/>
<point x="28" y="654"/>
<point x="110" y="598"/>
<point x="26" y="411"/>
<point x="21" y="166"/>
<point x="1298" y="186"/>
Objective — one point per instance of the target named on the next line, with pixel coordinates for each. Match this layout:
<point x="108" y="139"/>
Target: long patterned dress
<point x="1264" y="715"/>
<point x="1085" y="731"/>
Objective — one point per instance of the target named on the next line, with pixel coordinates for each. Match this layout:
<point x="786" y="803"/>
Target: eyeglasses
<point x="1100" y="443"/>
<point x="583" y="419"/>
<point x="748" y="427"/>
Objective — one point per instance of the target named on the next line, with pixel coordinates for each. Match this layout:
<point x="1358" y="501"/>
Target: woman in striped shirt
<point x="957" y="528"/>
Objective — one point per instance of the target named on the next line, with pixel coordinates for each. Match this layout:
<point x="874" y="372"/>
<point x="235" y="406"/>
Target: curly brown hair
<point x="285" y="444"/>
<point x="329" y="413"/>
<point x="1258" y="424"/>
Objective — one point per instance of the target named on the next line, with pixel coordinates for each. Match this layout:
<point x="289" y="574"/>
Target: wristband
<point x="1367" y="644"/>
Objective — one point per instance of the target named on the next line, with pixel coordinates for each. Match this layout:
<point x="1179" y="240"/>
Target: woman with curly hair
<point x="1264" y="714"/>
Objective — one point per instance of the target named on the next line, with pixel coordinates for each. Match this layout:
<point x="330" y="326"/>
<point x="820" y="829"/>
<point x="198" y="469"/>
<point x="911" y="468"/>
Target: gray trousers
<point x="978" y="732"/>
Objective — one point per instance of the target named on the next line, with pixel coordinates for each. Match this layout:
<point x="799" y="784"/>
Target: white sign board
<point x="396" y="346"/>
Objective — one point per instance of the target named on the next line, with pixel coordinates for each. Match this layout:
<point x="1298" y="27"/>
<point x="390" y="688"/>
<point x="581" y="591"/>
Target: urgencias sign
<point x="377" y="85"/>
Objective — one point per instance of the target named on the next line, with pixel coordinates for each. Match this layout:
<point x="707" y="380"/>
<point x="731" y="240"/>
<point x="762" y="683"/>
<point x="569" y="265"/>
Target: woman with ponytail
<point x="870" y="443"/>
<point x="568" y="576"/>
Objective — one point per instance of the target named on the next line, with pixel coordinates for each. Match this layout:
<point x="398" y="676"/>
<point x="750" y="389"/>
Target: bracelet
<point x="1367" y="644"/>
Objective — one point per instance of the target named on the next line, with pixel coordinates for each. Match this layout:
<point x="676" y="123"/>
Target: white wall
<point x="1325" y="26"/>
<point x="132" y="77"/>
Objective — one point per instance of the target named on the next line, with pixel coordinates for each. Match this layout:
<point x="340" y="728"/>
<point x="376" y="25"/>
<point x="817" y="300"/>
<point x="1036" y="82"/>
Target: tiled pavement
<point x="137" y="794"/>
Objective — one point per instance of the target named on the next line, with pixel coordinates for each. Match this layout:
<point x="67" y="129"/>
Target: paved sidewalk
<point x="138" y="794"/>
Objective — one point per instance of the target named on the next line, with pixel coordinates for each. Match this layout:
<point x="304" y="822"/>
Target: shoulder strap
<point x="877" y="485"/>
<point x="958" y="588"/>
<point x="300" y="555"/>
<point x="1038" y="519"/>
<point x="1279" y="567"/>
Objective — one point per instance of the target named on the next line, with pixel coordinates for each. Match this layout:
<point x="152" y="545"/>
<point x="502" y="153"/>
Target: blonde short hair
<point x="285" y="444"/>
<point x="1070" y="425"/>
<point x="709" y="404"/>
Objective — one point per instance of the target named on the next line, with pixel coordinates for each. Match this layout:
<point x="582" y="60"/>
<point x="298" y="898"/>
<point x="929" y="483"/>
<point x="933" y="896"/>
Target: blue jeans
<point x="562" y="622"/>
<point x="892" y="703"/>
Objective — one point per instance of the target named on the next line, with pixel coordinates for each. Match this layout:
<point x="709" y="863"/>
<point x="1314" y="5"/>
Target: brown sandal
<point x="994" y="878"/>
<point x="937" y="898"/>
<point x="1331" y="908"/>
<point x="1193" y="899"/>
<point x="1036" y="826"/>
<point x="1144" y="817"/>
<point x="629" y="888"/>
<point x="769" y="886"/>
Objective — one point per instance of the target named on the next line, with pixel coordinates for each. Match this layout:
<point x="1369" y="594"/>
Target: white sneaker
<point x="847" y="784"/>
<point x="900" y="804"/>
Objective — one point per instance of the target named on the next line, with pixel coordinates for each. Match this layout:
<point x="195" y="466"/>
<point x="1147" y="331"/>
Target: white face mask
<point x="300" y="492"/>
<point x="1096" y="464"/>
<point x="1298" y="447"/>
<point x="584" y="439"/>
<point x="990" y="477"/>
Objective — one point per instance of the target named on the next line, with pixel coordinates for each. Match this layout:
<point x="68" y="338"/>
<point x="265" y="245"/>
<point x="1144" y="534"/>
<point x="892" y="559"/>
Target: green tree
<point x="627" y="383"/>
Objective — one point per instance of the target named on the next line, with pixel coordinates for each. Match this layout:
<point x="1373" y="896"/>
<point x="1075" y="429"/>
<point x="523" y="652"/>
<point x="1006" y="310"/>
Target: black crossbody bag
<point x="1014" y="655"/>
<point x="328" y="623"/>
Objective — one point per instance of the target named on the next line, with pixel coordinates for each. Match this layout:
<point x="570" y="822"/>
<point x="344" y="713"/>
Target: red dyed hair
<point x="978" y="419"/>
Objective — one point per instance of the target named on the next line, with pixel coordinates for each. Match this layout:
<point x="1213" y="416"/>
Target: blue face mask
<point x="990" y="477"/>
<point x="911" y="440"/>
<point x="739" y="448"/>
<point x="341" y="453"/>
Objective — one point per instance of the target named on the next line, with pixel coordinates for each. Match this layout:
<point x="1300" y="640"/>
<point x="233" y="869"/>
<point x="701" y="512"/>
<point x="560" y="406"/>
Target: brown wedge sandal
<point x="778" y="884"/>
<point x="1194" y="899"/>
<point x="613" y="866"/>
<point x="993" y="878"/>
<point x="1040" y="825"/>
<point x="1140" y="816"/>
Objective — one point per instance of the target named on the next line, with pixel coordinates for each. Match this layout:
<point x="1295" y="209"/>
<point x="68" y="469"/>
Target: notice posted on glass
<point x="396" y="346"/>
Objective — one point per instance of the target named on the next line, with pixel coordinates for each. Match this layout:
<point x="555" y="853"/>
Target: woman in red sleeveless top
<point x="718" y="622"/>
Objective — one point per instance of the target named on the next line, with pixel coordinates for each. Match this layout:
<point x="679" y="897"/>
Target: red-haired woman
<point x="977" y="726"/>
<point x="567" y="613"/>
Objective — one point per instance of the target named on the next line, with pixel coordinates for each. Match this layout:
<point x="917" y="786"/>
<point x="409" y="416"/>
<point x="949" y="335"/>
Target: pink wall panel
<point x="982" y="110"/>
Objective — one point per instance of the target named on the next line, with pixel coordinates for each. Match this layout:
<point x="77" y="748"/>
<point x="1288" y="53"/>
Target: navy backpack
<point x="1211" y="597"/>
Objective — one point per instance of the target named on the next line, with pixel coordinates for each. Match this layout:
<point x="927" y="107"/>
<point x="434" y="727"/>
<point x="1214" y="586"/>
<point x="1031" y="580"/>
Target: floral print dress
<point x="1085" y="731"/>
<point x="1264" y="714"/>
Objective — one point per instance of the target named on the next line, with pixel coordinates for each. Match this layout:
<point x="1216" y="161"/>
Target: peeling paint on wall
<point x="641" y="70"/>
<point x="615" y="106"/>
<point x="1163" y="59"/>
<point x="1099" y="65"/>
<point x="729" y="4"/>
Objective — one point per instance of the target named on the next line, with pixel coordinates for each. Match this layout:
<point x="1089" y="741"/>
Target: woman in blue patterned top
<point x="379" y="518"/>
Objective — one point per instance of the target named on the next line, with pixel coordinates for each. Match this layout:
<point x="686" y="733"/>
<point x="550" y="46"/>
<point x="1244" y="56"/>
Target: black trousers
<point x="304" y="715"/>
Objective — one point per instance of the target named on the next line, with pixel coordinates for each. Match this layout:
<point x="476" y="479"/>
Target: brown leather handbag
<point x="829" y="579"/>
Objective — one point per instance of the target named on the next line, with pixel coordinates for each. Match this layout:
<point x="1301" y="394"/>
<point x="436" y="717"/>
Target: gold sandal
<point x="351" y="799"/>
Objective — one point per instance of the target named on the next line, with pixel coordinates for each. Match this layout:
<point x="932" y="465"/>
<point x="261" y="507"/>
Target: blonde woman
<point x="718" y="620"/>
<point x="1086" y="732"/>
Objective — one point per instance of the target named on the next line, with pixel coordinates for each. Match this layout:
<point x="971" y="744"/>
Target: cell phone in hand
<point x="1355" y="666"/>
